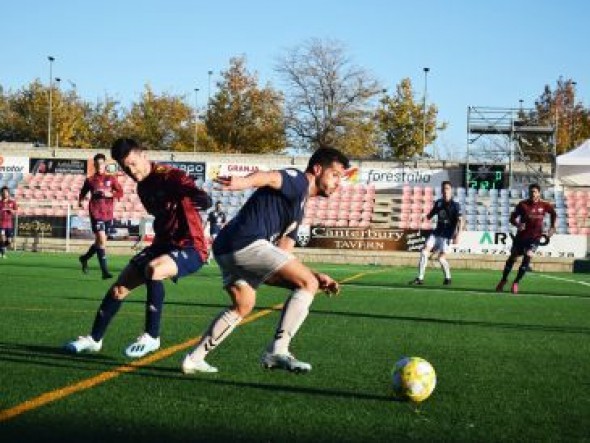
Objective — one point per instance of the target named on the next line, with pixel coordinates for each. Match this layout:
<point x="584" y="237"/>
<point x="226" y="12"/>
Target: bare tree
<point x="324" y="92"/>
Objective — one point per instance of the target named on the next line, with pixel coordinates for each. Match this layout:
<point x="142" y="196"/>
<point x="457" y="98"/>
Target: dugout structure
<point x="505" y="136"/>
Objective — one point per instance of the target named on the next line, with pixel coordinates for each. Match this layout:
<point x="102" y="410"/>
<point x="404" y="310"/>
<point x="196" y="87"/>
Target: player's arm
<point x="184" y="186"/>
<point x="460" y="224"/>
<point x="258" y="179"/>
<point x="432" y="212"/>
<point x="516" y="217"/>
<point x="553" y="216"/>
<point x="85" y="190"/>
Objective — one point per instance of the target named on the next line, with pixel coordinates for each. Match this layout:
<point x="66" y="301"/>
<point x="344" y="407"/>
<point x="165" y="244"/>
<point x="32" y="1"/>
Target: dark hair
<point x="3" y="188"/>
<point x="217" y="203"/>
<point x="534" y="186"/>
<point x="98" y="157"/>
<point x="122" y="147"/>
<point x="325" y="157"/>
<point x="446" y="182"/>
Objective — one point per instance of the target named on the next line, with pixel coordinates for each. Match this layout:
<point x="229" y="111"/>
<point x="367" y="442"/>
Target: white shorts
<point x="438" y="243"/>
<point x="252" y="264"/>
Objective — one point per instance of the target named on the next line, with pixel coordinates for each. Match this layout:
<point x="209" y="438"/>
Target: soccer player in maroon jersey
<point x="104" y="189"/>
<point x="8" y="208"/>
<point x="528" y="218"/>
<point x="178" y="248"/>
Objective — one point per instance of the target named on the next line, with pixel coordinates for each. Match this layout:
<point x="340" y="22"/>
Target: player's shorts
<point x="100" y="225"/>
<point x="187" y="259"/>
<point x="438" y="243"/>
<point x="523" y="246"/>
<point x="7" y="232"/>
<point x="252" y="264"/>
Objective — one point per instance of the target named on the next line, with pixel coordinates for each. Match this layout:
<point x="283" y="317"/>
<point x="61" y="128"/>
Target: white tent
<point x="573" y="168"/>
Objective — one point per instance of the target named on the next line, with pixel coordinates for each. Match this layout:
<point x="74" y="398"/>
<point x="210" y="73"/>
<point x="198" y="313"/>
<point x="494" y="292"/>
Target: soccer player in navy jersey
<point x="104" y="189"/>
<point x="449" y="224"/>
<point x="8" y="208"/>
<point x="528" y="217"/>
<point x="178" y="248"/>
<point x="255" y="247"/>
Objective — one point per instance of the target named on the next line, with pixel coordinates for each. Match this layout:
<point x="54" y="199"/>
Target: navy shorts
<point x="522" y="246"/>
<point x="7" y="232"/>
<point x="100" y="225"/>
<point x="187" y="259"/>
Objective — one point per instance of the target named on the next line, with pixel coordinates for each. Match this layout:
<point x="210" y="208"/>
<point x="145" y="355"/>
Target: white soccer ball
<point x="413" y="378"/>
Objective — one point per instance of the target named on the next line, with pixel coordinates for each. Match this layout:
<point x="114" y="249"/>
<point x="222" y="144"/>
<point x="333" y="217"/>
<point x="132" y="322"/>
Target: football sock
<point x="524" y="266"/>
<point x="107" y="310"/>
<point x="422" y="264"/>
<point x="507" y="268"/>
<point x="102" y="259"/>
<point x="2" y="250"/>
<point x="293" y="315"/>
<point x="445" y="266"/>
<point x="153" y="307"/>
<point x="91" y="251"/>
<point x="218" y="331"/>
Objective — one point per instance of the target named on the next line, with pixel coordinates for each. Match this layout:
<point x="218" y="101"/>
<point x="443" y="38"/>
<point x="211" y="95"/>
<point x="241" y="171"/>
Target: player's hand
<point x="328" y="284"/>
<point x="551" y="232"/>
<point x="521" y="227"/>
<point x="455" y="240"/>
<point x="232" y="183"/>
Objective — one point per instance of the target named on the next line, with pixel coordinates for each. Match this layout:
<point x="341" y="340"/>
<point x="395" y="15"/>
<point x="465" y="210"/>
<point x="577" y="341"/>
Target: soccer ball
<point x="413" y="379"/>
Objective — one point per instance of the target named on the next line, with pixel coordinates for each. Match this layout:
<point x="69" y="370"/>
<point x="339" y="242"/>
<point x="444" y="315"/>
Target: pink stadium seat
<point x="366" y="215"/>
<point x="364" y="223"/>
<point x="356" y="206"/>
<point x="417" y="191"/>
<point x="403" y="224"/>
<point x="405" y="216"/>
<point x="368" y="206"/>
<point x="341" y="223"/>
<point x="584" y="231"/>
<point x="406" y="190"/>
<point x="353" y="223"/>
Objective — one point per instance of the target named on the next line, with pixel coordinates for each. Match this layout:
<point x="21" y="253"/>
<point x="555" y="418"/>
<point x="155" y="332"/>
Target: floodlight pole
<point x="196" y="119"/>
<point x="51" y="60"/>
<point x="424" y="110"/>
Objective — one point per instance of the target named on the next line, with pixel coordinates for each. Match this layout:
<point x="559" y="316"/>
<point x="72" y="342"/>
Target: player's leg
<point x="524" y="266"/>
<point x="243" y="298"/>
<point x="129" y="279"/>
<point x="2" y="243"/>
<point x="423" y="260"/>
<point x="304" y="284"/>
<point x="101" y="245"/>
<point x="92" y="249"/>
<point x="9" y="239"/>
<point x="515" y="252"/>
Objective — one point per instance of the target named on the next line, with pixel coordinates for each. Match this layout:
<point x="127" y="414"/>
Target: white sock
<point x="293" y="316"/>
<point x="422" y="264"/>
<point x="219" y="329"/>
<point x="446" y="267"/>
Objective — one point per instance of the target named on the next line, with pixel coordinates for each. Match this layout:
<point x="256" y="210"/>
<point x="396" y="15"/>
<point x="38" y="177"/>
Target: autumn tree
<point x="327" y="97"/>
<point x="244" y="117"/>
<point x="401" y="119"/>
<point x="160" y="121"/>
<point x="555" y="108"/>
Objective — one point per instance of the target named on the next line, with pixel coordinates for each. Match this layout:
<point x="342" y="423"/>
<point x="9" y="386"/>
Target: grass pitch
<point x="509" y="368"/>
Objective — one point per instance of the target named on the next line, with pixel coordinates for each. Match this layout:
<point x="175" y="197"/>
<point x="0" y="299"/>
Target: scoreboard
<point x="485" y="176"/>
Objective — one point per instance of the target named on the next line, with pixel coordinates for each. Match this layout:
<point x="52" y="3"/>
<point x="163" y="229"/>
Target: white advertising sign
<point x="499" y="243"/>
<point x="14" y="164"/>
<point x="232" y="169"/>
<point x="399" y="177"/>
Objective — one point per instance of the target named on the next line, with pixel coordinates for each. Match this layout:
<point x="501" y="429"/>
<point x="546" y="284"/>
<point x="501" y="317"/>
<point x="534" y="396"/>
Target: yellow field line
<point x="57" y="394"/>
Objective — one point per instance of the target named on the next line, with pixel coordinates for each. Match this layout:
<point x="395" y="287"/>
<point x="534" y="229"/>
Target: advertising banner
<point x="14" y="164"/>
<point x="121" y="229"/>
<point x="499" y="243"/>
<point x="196" y="170"/>
<point x="399" y="177"/>
<point x="360" y="239"/>
<point x="215" y="170"/>
<point x="57" y="165"/>
<point x="41" y="226"/>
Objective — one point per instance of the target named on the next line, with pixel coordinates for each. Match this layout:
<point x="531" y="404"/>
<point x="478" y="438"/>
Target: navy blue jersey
<point x="216" y="220"/>
<point x="269" y="214"/>
<point x="448" y="214"/>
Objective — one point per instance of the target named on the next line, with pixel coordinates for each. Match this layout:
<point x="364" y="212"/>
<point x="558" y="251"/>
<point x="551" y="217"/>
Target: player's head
<point x="100" y="163"/>
<point x="131" y="158"/>
<point x="534" y="192"/>
<point x="447" y="190"/>
<point x="327" y="165"/>
<point x="218" y="206"/>
<point x="5" y="192"/>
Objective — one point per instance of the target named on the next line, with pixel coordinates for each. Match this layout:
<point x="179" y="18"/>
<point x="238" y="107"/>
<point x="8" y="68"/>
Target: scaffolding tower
<point x="498" y="135"/>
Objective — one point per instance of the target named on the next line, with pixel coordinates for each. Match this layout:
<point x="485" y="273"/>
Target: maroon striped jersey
<point x="7" y="212"/>
<point x="532" y="214"/>
<point x="101" y="207"/>
<point x="173" y="199"/>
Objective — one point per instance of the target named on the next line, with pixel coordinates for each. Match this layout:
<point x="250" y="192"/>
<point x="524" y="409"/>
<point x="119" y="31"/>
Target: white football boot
<point x="144" y="345"/>
<point x="84" y="344"/>
<point x="284" y="361"/>
<point x="190" y="366"/>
